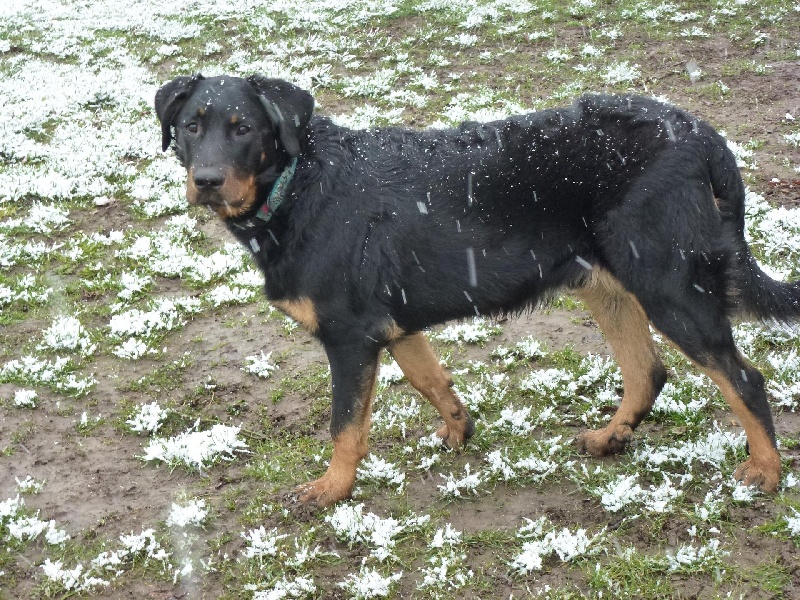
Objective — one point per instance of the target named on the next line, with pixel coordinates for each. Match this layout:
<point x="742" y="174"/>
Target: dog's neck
<point x="266" y="209"/>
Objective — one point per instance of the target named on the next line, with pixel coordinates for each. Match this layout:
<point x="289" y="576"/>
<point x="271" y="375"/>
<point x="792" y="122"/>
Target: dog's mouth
<point x="228" y="194"/>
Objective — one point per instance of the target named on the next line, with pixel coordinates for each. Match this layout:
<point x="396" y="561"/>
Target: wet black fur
<point x="420" y="227"/>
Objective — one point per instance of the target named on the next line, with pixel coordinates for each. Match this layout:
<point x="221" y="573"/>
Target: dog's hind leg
<point x="704" y="335"/>
<point x="354" y="370"/>
<point x="742" y="386"/>
<point x="422" y="369"/>
<point x="626" y="327"/>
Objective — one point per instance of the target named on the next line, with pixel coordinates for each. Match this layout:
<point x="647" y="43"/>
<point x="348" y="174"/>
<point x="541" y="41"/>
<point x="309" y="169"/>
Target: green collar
<point x="278" y="193"/>
<point x="276" y="197"/>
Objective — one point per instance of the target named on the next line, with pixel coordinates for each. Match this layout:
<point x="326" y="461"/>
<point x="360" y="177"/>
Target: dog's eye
<point x="191" y="127"/>
<point x="243" y="130"/>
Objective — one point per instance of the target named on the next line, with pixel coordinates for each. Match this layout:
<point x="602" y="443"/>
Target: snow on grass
<point x="377" y="470"/>
<point x="455" y="487"/>
<point x="164" y="316"/>
<point x="688" y="557"/>
<point x="10" y="508"/>
<point x="388" y="374"/>
<point x="712" y="449"/>
<point x="248" y="278"/>
<point x="517" y="422"/>
<point x="446" y="570"/>
<point x="351" y="525"/>
<point x="67" y="333"/>
<point x="108" y="565"/>
<point x="197" y="449"/>
<point x="486" y="106"/>
<point x="553" y="383"/>
<point x="27" y="252"/>
<point x="558" y="55"/>
<point x="29" y="528"/>
<point x="529" y="468"/>
<point x="375" y="85"/>
<point x="17" y="526"/>
<point x="487" y="392"/>
<point x="23" y="290"/>
<point x="793" y="524"/>
<point x="260" y="365"/>
<point x="396" y="415"/>
<point x="30" y="370"/>
<point x="621" y="72"/>
<point x="673" y="398"/>
<point x="148" y="418"/>
<point x="299" y="587"/>
<point x="528" y="348"/>
<point x="712" y="506"/>
<point x="368" y="116"/>
<point x="272" y="552"/>
<point x="71" y="163"/>
<point x="40" y="219"/>
<point x="25" y="398"/>
<point x="136" y="328"/>
<point x="543" y="540"/>
<point x="71" y="580"/>
<point x="369" y="583"/>
<point x="224" y="294"/>
<point x="29" y="485"/>
<point x="133" y="349"/>
<point x="745" y="157"/>
<point x="784" y="387"/>
<point x="168" y="252"/>
<point x="744" y="494"/>
<point x="777" y="234"/>
<point x="262" y="543"/>
<point x="133" y="284"/>
<point x="625" y="490"/>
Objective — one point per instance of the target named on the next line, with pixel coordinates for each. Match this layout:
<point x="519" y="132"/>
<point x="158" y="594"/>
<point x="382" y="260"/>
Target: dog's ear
<point x="288" y="107"/>
<point x="169" y="100"/>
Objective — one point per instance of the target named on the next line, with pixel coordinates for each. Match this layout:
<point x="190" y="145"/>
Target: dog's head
<point x="232" y="135"/>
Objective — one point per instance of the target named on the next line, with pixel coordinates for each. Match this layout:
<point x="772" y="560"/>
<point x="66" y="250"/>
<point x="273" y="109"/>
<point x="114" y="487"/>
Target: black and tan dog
<point x="369" y="237"/>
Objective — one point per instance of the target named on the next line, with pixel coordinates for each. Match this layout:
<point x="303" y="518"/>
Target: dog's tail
<point x="754" y="294"/>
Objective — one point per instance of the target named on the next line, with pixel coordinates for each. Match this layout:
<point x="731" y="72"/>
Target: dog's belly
<point x="479" y="280"/>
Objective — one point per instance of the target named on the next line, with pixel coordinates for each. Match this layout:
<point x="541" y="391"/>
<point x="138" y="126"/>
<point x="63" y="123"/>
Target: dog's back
<point x="491" y="217"/>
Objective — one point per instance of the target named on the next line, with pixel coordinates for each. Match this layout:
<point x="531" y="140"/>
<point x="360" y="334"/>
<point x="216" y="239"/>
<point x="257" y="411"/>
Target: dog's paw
<point x="455" y="438"/>
<point x="766" y="475"/>
<point x="602" y="442"/>
<point x="449" y="439"/>
<point x="322" y="492"/>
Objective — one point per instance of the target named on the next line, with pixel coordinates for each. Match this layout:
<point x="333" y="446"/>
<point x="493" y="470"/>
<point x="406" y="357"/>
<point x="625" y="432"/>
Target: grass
<point x="144" y="275"/>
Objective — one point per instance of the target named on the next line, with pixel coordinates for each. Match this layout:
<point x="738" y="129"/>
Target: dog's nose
<point x="208" y="178"/>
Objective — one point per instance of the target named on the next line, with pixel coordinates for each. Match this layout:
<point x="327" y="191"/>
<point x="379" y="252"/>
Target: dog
<point x="367" y="238"/>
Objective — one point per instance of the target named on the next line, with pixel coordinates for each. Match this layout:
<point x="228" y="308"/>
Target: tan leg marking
<point x="349" y="447"/>
<point x="422" y="369"/>
<point x="393" y="331"/>
<point x="301" y="310"/>
<point x="337" y="483"/>
<point x="763" y="468"/>
<point x="626" y="327"/>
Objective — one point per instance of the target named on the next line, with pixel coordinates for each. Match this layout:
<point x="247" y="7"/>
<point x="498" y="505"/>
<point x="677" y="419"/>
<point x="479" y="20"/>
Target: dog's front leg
<point x="353" y="375"/>
<point x="422" y="368"/>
